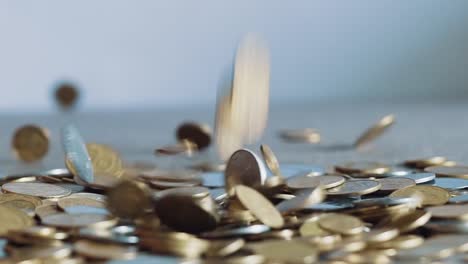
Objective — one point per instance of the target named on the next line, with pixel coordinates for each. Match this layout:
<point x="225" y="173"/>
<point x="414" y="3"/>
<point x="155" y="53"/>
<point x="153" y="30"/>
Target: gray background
<point x="151" y="54"/>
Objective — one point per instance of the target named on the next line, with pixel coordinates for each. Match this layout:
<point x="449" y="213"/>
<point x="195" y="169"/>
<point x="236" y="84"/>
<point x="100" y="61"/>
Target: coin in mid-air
<point x="30" y="143"/>
<point x="375" y="131"/>
<point x="198" y="134"/>
<point x="66" y="95"/>
<point x="305" y="135"/>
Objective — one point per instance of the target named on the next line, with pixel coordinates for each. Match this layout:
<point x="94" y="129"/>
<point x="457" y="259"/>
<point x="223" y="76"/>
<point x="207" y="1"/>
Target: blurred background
<point x="163" y="54"/>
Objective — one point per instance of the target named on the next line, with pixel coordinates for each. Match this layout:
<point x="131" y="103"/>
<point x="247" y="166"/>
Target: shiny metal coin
<point x="421" y="177"/>
<point x="246" y="168"/>
<point x="450" y="183"/>
<point x="76" y="153"/>
<point x="237" y="232"/>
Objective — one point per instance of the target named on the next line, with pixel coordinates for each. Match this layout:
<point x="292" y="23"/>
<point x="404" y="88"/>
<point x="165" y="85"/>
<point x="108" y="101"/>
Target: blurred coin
<point x="66" y="95"/>
<point x="237" y="232"/>
<point x="291" y="169"/>
<point x="259" y="206"/>
<point x="379" y="235"/>
<point x="285" y="251"/>
<point x="409" y="221"/>
<point x="270" y="159"/>
<point x="453" y="211"/>
<point x="225" y="247"/>
<point x="366" y="167"/>
<point x="77" y="158"/>
<point x="306" y="135"/>
<point x="98" y="250"/>
<point x="421" y="177"/>
<point x="303" y="199"/>
<point x="199" y="134"/>
<point x="448" y="226"/>
<point x="12" y="219"/>
<point x="47" y="209"/>
<point x="463" y="198"/>
<point x="129" y="199"/>
<point x="30" y="143"/>
<point x="401" y="242"/>
<point x="304" y="182"/>
<point x="436" y="247"/>
<point x="37" y="189"/>
<point x="355" y="187"/>
<point x="244" y="167"/>
<point x="375" y="131"/>
<point x="391" y="184"/>
<point x="431" y="195"/>
<point x="451" y="183"/>
<point x="341" y="224"/>
<point x="425" y="162"/>
<point x="68" y="221"/>
<point x="311" y="227"/>
<point x="182" y="147"/>
<point x="5" y="197"/>
<point x="449" y="171"/>
<point x="213" y="179"/>
<point x="105" y="160"/>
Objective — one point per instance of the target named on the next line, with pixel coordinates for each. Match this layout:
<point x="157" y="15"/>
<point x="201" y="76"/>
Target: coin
<point x="97" y="250"/>
<point x="355" y="187"/>
<point x="129" y="199"/>
<point x="366" y="167"/>
<point x="421" y="177"/>
<point x="451" y="183"/>
<point x="453" y="211"/>
<point x="67" y="221"/>
<point x="259" y="206"/>
<point x="305" y="135"/>
<point x="379" y="235"/>
<point x="38" y="189"/>
<point x="47" y="209"/>
<point x="5" y="197"/>
<point x="426" y="162"/>
<point x="375" y="131"/>
<point x="341" y="224"/>
<point x="401" y="242"/>
<point x="302" y="200"/>
<point x="391" y="184"/>
<point x="73" y="205"/>
<point x="431" y="195"/>
<point x="449" y="171"/>
<point x="311" y="227"/>
<point x="286" y="251"/>
<point x="303" y="182"/>
<point x="244" y="167"/>
<point x="30" y="143"/>
<point x="437" y="247"/>
<point x="77" y="158"/>
<point x="106" y="161"/>
<point x="409" y="221"/>
<point x="225" y="247"/>
<point x="459" y="199"/>
<point x="66" y="95"/>
<point x="270" y="159"/>
<point x="13" y="219"/>
<point x="200" y="134"/>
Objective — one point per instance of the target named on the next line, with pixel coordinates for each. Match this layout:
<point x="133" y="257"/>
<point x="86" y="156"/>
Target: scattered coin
<point x="409" y="221"/>
<point x="453" y="211"/>
<point x="304" y="181"/>
<point x="355" y="187"/>
<point x="451" y="183"/>
<point x="66" y="221"/>
<point x="135" y="203"/>
<point x="13" y="219"/>
<point x="449" y="171"/>
<point x="77" y="158"/>
<point x="431" y="195"/>
<point x="302" y="200"/>
<point x="270" y="159"/>
<point x="306" y="135"/>
<point x="98" y="250"/>
<point x="391" y="184"/>
<point x="341" y="224"/>
<point x="364" y="167"/>
<point x="426" y="162"/>
<point x="244" y="167"/>
<point x="37" y="189"/>
<point x="30" y="143"/>
<point x="375" y="131"/>
<point x="199" y="134"/>
<point x="66" y="95"/>
<point x="421" y="177"/>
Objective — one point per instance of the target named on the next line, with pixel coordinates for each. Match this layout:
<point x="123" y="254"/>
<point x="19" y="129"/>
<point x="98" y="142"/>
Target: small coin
<point x="64" y="220"/>
<point x="37" y="189"/>
<point x="409" y="221"/>
<point x="13" y="219"/>
<point x="302" y="200"/>
<point x="98" y="250"/>
<point x="391" y="184"/>
<point x="30" y="143"/>
<point x="379" y="235"/>
<point x="425" y="162"/>
<point x="421" y="177"/>
<point x="199" y="134"/>
<point x="270" y="159"/>
<point x="364" y="167"/>
<point x="129" y="199"/>
<point x="77" y="158"/>
<point x="355" y="187"/>
<point x="105" y="160"/>
<point x="304" y="182"/>
<point x="286" y="251"/>
<point x="341" y="224"/>
<point x="449" y="171"/>
<point x="431" y="195"/>
<point x="375" y="131"/>
<point x="66" y="95"/>
<point x="452" y="211"/>
<point x="259" y="206"/>
<point x="305" y="135"/>
<point x="244" y="167"/>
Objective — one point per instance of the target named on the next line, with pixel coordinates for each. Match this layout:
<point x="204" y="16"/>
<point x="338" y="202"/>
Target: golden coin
<point x="363" y="167"/>
<point x="425" y="162"/>
<point x="13" y="219"/>
<point x="311" y="228"/>
<point x="129" y="199"/>
<point x="304" y="182"/>
<point x="47" y="209"/>
<point x="303" y="199"/>
<point x="98" y="250"/>
<point x="449" y="171"/>
<point x="436" y="247"/>
<point x="37" y="189"/>
<point x="64" y="220"/>
<point x="259" y="206"/>
<point x="375" y="131"/>
<point x="225" y="247"/>
<point x="66" y="95"/>
<point x="270" y="159"/>
<point x="341" y="224"/>
<point x="44" y="253"/>
<point x="452" y="211"/>
<point x="379" y="235"/>
<point x="173" y="184"/>
<point x="391" y="184"/>
<point x="175" y="243"/>
<point x="305" y="135"/>
<point x="106" y="161"/>
<point x="244" y="167"/>
<point x="431" y="195"/>
<point x="5" y="197"/>
<point x="70" y="202"/>
<point x="30" y="143"/>
<point x="22" y="205"/>
<point x="355" y="187"/>
<point x="409" y="221"/>
<point x="285" y="251"/>
<point x="401" y="242"/>
<point x="199" y="134"/>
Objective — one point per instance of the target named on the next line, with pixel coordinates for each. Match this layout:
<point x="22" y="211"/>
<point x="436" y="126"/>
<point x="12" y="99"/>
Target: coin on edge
<point x="244" y="167"/>
<point x="375" y="131"/>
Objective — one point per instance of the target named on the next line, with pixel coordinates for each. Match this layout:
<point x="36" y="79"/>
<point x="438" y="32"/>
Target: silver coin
<point x="463" y="198"/>
<point x="244" y="167"/>
<point x="76" y="153"/>
<point x="289" y="170"/>
<point x="303" y="199"/>
<point x="143" y="258"/>
<point x="450" y="183"/>
<point x="355" y="187"/>
<point x="213" y="179"/>
<point x="118" y="234"/>
<point x="385" y="201"/>
<point x="61" y="172"/>
<point x="421" y="177"/>
<point x="237" y="232"/>
<point x="329" y="206"/>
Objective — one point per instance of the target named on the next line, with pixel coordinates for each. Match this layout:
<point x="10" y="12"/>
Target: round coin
<point x="375" y="131"/>
<point x="98" y="250"/>
<point x="13" y="219"/>
<point x="270" y="159"/>
<point x="305" y="135"/>
<point x="431" y="195"/>
<point x="355" y="187"/>
<point x="244" y="167"/>
<point x="363" y="167"/>
<point x="391" y="184"/>
<point x="5" y="197"/>
<point x="341" y="224"/>
<point x="106" y="161"/>
<point x="452" y="211"/>
<point x="38" y="189"/>
<point x="449" y="171"/>
<point x="286" y="251"/>
<point x="129" y="199"/>
<point x="304" y="182"/>
<point x="199" y="134"/>
<point x="30" y="143"/>
<point x="64" y="220"/>
<point x="421" y="177"/>
<point x="409" y="221"/>
<point x="66" y="95"/>
<point x="451" y="183"/>
<point x="303" y="199"/>
<point x="259" y="206"/>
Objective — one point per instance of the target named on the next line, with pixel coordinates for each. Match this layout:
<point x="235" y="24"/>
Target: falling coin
<point x="306" y="135"/>
<point x="375" y="131"/>
<point x="30" y="143"/>
<point x="431" y="195"/>
<point x="449" y="171"/>
<point x="66" y="95"/>
<point x="199" y="134"/>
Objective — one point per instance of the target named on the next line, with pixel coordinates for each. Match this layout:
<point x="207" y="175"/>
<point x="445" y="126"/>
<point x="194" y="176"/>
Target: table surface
<point x="421" y="130"/>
